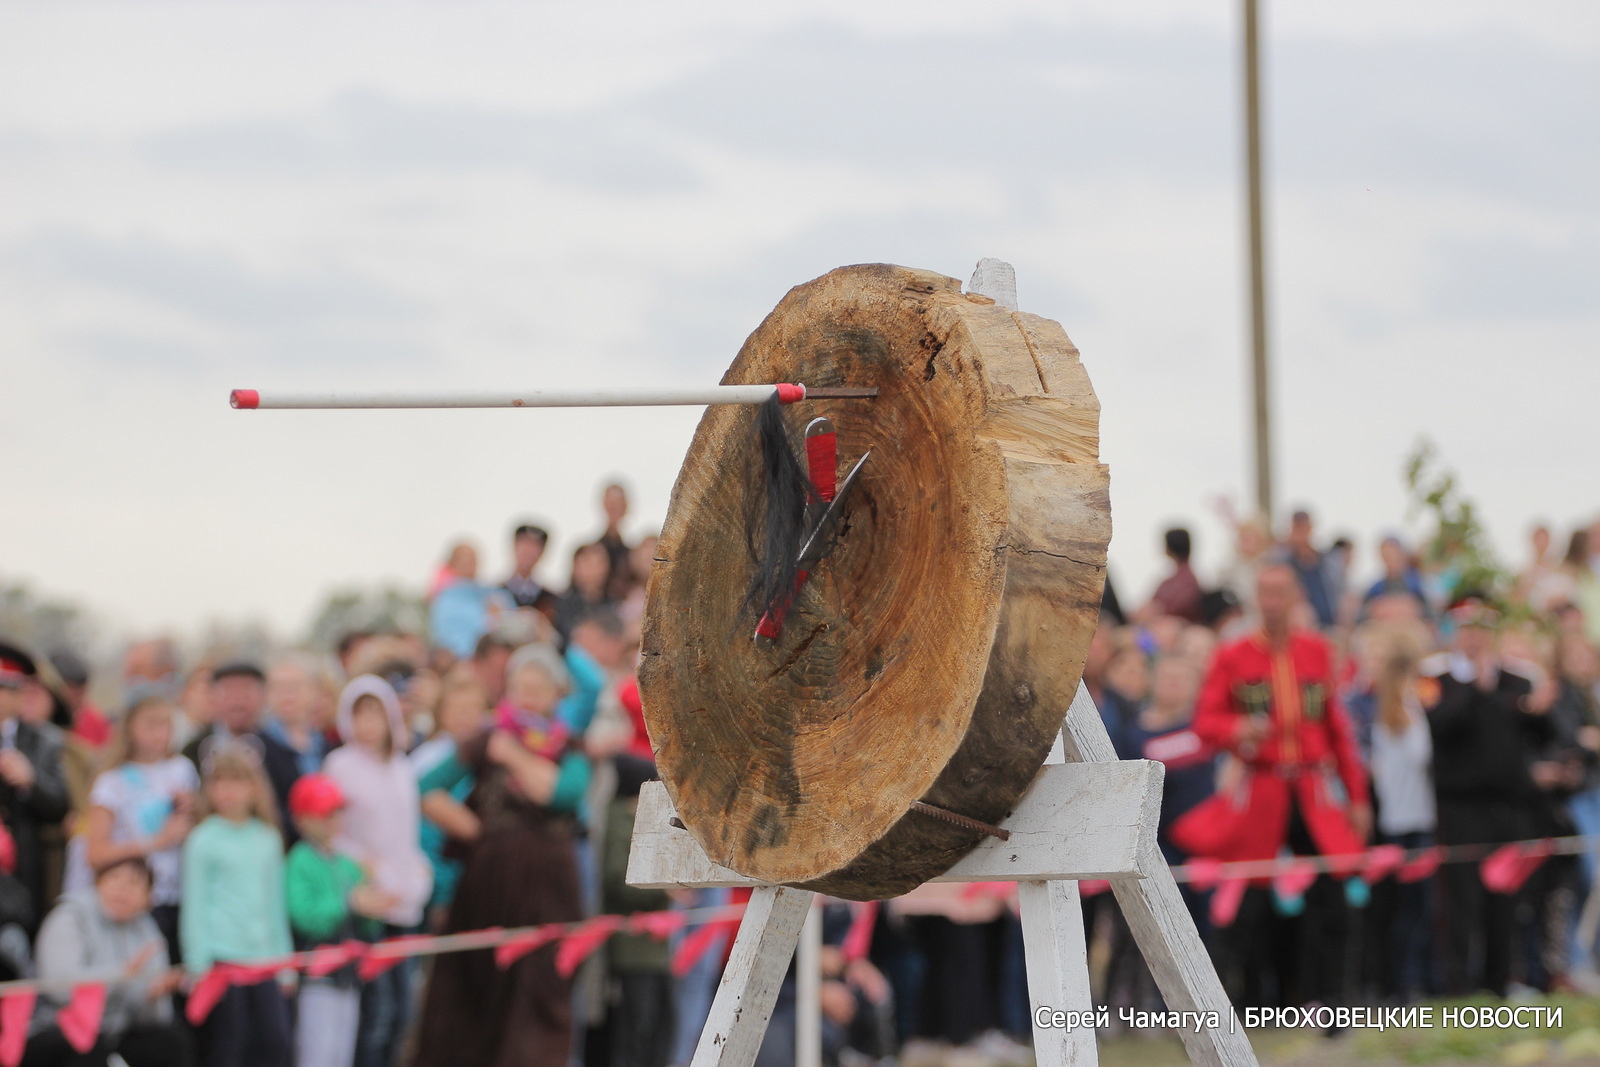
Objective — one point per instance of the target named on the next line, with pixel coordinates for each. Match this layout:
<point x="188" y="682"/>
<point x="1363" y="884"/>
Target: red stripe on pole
<point x="244" y="399"/>
<point x="790" y="394"/>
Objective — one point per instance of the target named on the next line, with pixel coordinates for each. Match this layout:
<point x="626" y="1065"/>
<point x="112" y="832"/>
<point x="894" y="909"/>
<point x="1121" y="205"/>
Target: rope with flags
<point x="1504" y="868"/>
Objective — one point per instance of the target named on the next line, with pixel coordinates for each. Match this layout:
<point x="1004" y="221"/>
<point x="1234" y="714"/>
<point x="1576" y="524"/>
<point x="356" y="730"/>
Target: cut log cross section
<point x="934" y="654"/>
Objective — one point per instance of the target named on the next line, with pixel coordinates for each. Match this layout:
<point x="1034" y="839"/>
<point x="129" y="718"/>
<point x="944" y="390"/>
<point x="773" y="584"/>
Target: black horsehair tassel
<point x="779" y="500"/>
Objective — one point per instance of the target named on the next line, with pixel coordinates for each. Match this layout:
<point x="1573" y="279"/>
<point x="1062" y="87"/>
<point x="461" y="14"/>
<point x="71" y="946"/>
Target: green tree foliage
<point x="1459" y="548"/>
<point x="390" y="609"/>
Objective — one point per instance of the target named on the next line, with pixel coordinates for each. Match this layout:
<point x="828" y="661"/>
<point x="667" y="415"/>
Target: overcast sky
<point x="199" y="197"/>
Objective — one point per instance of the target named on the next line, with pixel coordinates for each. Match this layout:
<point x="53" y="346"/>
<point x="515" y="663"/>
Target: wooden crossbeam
<point x="1078" y="820"/>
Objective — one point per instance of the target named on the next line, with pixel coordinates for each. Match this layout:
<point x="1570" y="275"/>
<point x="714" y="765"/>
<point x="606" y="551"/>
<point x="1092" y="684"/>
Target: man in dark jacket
<point x="239" y="693"/>
<point x="1486" y="730"/>
<point x="33" y="792"/>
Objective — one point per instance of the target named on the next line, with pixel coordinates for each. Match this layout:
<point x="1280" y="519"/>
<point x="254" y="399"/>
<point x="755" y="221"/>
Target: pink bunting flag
<point x="658" y="924"/>
<point x="206" y="992"/>
<point x="1203" y="872"/>
<point x="698" y="942"/>
<point x="581" y="943"/>
<point x="1382" y="861"/>
<point x="1421" y="867"/>
<point x="323" y="961"/>
<point x="80" y="1019"/>
<point x="1226" y="900"/>
<point x="988" y="890"/>
<point x="1294" y="878"/>
<point x="858" y="939"/>
<point x="377" y="960"/>
<point x="519" y="946"/>
<point x="1092" y="887"/>
<point x="16" y="1012"/>
<point x="1506" y="868"/>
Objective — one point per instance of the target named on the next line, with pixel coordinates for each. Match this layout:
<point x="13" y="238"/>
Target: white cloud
<point x="207" y="196"/>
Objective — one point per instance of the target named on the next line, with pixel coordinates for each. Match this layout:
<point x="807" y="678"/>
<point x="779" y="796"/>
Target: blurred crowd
<point x="486" y="773"/>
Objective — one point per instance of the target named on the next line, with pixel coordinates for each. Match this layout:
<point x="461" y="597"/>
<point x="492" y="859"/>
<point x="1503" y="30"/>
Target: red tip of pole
<point x="244" y="399"/>
<point x="790" y="394"/>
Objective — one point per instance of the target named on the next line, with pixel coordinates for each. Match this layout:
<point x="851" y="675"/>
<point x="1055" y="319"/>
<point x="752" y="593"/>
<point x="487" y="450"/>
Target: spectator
<point x="1400" y="577"/>
<point x="1270" y="700"/>
<point x="489" y="660"/>
<point x="234" y="910"/>
<point x="1402" y="782"/>
<point x="1484" y="739"/>
<point x="591" y="577"/>
<point x="329" y="900"/>
<point x="1579" y="568"/>
<point x="1251" y="549"/>
<point x="292" y="699"/>
<point x="143" y="806"/>
<point x="639" y="1023"/>
<point x="461" y="610"/>
<point x="1541" y="583"/>
<point x="521" y="870"/>
<point x="237" y="690"/>
<point x="381" y="832"/>
<point x="463" y="715"/>
<point x="95" y="930"/>
<point x="88" y="722"/>
<point x="1127" y="684"/>
<point x="614" y="502"/>
<point x="1179" y="593"/>
<point x="33" y="793"/>
<point x="527" y="549"/>
<point x="1310" y="568"/>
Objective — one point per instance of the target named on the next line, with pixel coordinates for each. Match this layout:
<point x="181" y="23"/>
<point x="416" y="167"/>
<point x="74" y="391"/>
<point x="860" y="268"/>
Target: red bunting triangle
<point x="581" y="943"/>
<point x="858" y="939"/>
<point x="698" y="942"/>
<point x="1382" y="861"/>
<point x="658" y="924"/>
<point x="80" y="1019"/>
<point x="323" y="961"/>
<point x="376" y="961"/>
<point x="206" y="992"/>
<point x="1204" y="872"/>
<point x="517" y="947"/>
<point x="1421" y="867"/>
<point x="1226" y="899"/>
<point x="1092" y="887"/>
<point x="1294" y="878"/>
<point x="16" y="1012"/>
<point x="1506" y="868"/>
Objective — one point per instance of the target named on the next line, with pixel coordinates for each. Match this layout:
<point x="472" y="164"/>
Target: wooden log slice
<point x="935" y="652"/>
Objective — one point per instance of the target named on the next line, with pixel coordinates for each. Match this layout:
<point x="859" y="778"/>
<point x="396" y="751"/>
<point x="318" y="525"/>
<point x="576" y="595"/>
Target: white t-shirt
<point x="139" y="797"/>
<point x="1402" y="774"/>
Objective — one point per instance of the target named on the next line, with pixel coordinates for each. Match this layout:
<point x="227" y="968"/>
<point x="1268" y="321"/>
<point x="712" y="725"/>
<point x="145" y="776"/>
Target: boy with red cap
<point x="329" y="901"/>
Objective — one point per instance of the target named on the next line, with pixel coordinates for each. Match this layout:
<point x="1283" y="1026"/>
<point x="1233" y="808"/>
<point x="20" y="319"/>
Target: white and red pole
<point x="787" y="392"/>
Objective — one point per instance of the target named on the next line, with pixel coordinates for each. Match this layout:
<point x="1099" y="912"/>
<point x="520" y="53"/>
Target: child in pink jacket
<point x="381" y="832"/>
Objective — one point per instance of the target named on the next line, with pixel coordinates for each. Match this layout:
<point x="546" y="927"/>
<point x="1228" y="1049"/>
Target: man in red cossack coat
<point x="1270" y="700"/>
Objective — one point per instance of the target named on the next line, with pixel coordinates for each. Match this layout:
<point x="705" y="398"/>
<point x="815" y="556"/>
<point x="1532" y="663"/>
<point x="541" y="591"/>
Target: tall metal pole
<point x="1258" y="271"/>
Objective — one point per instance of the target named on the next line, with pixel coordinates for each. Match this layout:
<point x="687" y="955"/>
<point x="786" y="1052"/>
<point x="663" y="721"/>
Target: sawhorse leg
<point x="755" y="971"/>
<point x="1058" y="971"/>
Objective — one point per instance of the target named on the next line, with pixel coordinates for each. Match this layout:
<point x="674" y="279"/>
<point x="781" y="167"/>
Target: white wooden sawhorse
<point x="1093" y="816"/>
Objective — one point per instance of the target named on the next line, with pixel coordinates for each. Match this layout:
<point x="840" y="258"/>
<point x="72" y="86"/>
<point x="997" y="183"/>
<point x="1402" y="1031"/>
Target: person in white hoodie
<point x="381" y="833"/>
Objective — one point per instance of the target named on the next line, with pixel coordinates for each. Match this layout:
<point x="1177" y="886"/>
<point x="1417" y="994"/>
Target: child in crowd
<point x="143" y="806"/>
<point x="101" y="929"/>
<point x="329" y="901"/>
<point x="463" y="715"/>
<point x="521" y="871"/>
<point x="381" y="831"/>
<point x="234" y="908"/>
